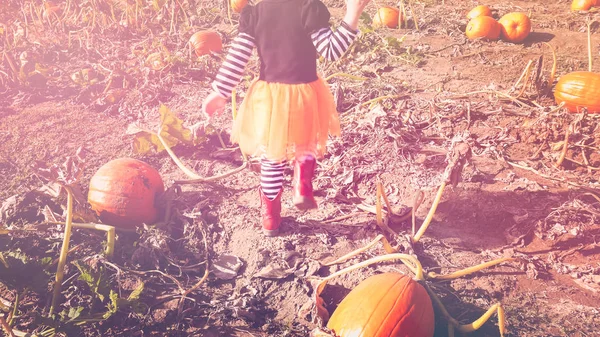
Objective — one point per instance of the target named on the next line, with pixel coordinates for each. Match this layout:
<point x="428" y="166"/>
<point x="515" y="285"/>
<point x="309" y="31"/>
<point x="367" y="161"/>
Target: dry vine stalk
<point x="457" y="156"/>
<point x="195" y="178"/>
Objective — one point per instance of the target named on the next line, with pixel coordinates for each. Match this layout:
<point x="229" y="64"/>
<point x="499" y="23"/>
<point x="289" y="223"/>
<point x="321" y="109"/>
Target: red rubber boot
<point x="271" y="213"/>
<point x="304" y="170"/>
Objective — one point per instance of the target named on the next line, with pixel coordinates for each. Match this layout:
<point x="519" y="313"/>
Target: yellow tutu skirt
<point x="281" y="121"/>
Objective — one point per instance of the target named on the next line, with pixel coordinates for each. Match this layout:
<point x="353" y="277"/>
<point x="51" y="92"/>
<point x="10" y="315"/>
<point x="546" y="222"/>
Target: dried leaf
<point x="226" y="267"/>
<point x="8" y="207"/>
<point x="173" y="132"/>
<point x="372" y="116"/>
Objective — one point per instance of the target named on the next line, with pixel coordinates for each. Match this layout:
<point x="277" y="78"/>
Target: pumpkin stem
<point x="469" y="270"/>
<point x="496" y="308"/>
<point x="589" y="40"/>
<point x="565" y="147"/>
<point x="340" y="74"/>
<point x="379" y="209"/>
<point x="194" y="177"/>
<point x="429" y="217"/>
<point x="525" y="72"/>
<point x="451" y="321"/>
<point x="553" y="71"/>
<point x="413" y="15"/>
<point x="410" y="261"/>
<point x="62" y="260"/>
<point x="416" y="203"/>
<point x="110" y="235"/>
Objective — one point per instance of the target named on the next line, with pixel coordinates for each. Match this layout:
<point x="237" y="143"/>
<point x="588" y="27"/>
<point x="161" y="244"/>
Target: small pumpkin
<point x="483" y="27"/>
<point x="386" y="17"/>
<point x="582" y="5"/>
<point x="238" y="5"/>
<point x="481" y="10"/>
<point x="123" y="192"/>
<point x="515" y="27"/>
<point x="579" y="89"/>
<point x="206" y="41"/>
<point x="389" y="304"/>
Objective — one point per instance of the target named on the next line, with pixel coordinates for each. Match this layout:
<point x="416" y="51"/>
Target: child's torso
<point x="285" y="49"/>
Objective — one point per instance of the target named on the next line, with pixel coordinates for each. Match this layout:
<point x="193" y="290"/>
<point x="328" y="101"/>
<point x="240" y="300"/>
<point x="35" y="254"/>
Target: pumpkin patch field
<point x="462" y="198"/>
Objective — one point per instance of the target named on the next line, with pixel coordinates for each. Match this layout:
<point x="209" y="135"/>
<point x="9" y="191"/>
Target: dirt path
<point x="496" y="210"/>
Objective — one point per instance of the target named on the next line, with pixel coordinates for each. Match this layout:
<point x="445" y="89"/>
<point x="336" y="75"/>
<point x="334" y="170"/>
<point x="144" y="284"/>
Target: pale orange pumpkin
<point x="386" y="17"/>
<point x="206" y="41"/>
<point x="238" y="5"/>
<point x="123" y="193"/>
<point x="578" y="90"/>
<point x="481" y="10"/>
<point x="483" y="27"/>
<point x="389" y="304"/>
<point x="582" y="5"/>
<point x="515" y="27"/>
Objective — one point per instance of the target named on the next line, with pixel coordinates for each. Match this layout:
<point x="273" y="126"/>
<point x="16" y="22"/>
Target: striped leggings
<point x="271" y="177"/>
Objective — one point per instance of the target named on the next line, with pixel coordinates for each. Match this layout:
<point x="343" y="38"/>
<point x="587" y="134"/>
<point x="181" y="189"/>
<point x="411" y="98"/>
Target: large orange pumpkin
<point x="483" y="27"/>
<point x="481" y="10"/>
<point x="515" y="27"/>
<point x="238" y="5"/>
<point x="389" y="304"/>
<point x="123" y="192"/>
<point x="582" y="5"/>
<point x="205" y="42"/>
<point x="386" y="17"/>
<point x="579" y="89"/>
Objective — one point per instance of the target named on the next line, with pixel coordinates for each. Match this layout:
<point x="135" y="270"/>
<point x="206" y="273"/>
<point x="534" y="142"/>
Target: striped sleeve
<point x="232" y="70"/>
<point x="332" y="45"/>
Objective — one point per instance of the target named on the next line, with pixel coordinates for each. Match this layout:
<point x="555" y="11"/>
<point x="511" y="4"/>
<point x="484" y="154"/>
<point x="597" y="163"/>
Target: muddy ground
<point x="511" y="200"/>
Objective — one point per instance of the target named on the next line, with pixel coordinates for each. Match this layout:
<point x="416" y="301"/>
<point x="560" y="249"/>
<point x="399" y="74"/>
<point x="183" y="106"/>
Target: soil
<point x="511" y="200"/>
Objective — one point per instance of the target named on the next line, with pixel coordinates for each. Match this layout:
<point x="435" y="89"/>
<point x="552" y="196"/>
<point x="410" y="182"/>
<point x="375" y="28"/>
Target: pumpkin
<point x="579" y="89"/>
<point x="582" y="5"/>
<point x="389" y="304"/>
<point x="481" y="10"/>
<point x="123" y="192"/>
<point x="386" y="17"/>
<point x="206" y="41"/>
<point x="483" y="27"/>
<point x="238" y="5"/>
<point x="515" y="27"/>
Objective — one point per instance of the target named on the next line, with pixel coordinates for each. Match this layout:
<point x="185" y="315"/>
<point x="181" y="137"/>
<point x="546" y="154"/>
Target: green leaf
<point x="18" y="271"/>
<point x="113" y="305"/>
<point x="135" y="294"/>
<point x="95" y="279"/>
<point x="366" y="18"/>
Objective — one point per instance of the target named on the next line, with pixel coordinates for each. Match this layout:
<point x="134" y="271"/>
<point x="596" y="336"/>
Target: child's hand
<point x="213" y="103"/>
<point x="354" y="9"/>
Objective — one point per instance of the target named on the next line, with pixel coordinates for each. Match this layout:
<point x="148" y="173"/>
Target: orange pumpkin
<point x="481" y="10"/>
<point x="579" y="89"/>
<point x="483" y="27"/>
<point x="206" y="41"/>
<point x="389" y="304"/>
<point x="123" y="192"/>
<point x="238" y="5"/>
<point x="582" y="5"/>
<point x="515" y="27"/>
<point x="386" y="17"/>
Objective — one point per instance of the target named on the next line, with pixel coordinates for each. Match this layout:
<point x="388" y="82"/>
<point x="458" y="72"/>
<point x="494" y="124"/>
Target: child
<point x="289" y="110"/>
